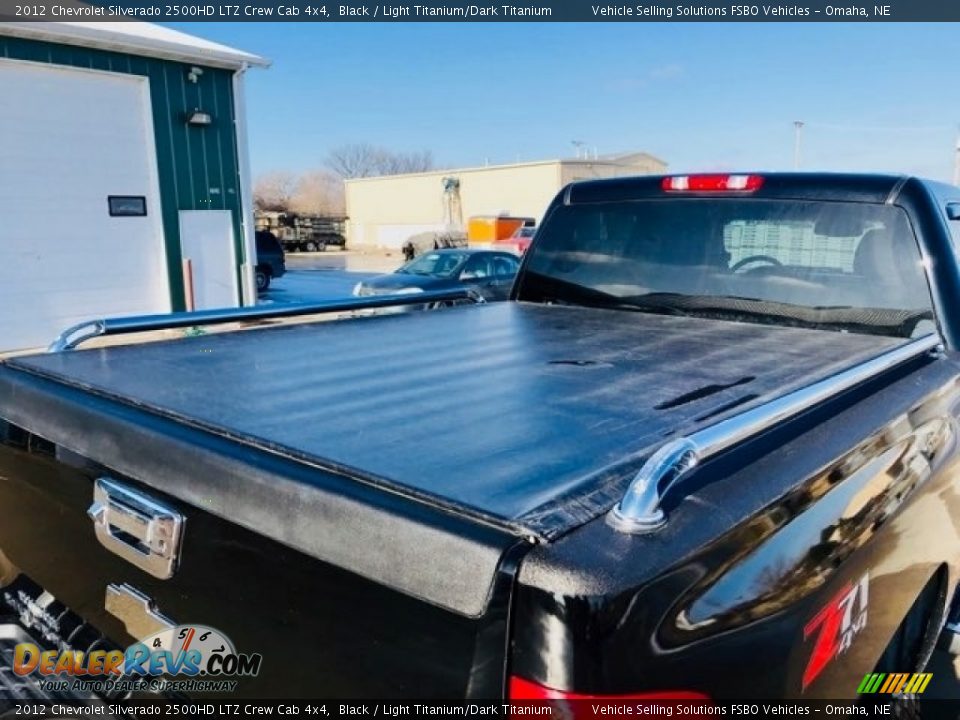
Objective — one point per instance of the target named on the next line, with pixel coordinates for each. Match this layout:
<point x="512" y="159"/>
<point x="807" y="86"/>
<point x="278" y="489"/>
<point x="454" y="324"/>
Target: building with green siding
<point x="124" y="178"/>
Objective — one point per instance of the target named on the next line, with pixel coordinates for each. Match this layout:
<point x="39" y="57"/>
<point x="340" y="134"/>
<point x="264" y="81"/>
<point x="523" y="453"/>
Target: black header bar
<point x="869" y="707"/>
<point x="495" y="11"/>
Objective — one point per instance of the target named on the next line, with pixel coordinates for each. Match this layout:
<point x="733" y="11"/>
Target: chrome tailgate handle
<point x="136" y="527"/>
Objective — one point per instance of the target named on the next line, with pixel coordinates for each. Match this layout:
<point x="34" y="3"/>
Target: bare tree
<point x="274" y="191"/>
<point x="364" y="160"/>
<point x="400" y="163"/>
<point x="355" y="160"/>
<point x="318" y="192"/>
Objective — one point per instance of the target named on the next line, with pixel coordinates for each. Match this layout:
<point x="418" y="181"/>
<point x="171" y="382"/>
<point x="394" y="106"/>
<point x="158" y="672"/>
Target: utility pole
<point x="797" y="137"/>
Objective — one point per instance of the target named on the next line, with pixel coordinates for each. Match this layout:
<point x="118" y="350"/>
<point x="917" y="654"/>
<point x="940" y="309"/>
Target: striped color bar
<point x="894" y="683"/>
<point x="870" y="684"/>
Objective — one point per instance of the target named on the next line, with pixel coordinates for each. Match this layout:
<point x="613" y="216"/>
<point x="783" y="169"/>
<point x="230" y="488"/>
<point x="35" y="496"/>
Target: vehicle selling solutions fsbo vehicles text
<point x="736" y="11"/>
<point x="668" y="11"/>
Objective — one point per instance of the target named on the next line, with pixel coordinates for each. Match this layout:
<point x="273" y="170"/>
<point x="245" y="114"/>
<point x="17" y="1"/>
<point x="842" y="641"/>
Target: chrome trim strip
<point x="136" y="611"/>
<point x="80" y="333"/>
<point x="640" y="511"/>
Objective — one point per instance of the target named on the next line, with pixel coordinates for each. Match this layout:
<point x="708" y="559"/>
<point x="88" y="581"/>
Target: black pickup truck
<point x="708" y="450"/>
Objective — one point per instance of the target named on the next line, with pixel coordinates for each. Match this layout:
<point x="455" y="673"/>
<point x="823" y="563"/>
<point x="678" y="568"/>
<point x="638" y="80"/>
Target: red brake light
<point x="712" y="183"/>
<point x="521" y="689"/>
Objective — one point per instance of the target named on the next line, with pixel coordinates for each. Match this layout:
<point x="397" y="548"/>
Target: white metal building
<point x="386" y="211"/>
<point x="122" y="155"/>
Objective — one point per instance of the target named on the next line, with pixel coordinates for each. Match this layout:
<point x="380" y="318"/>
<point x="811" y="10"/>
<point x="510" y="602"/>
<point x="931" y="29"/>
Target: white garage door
<point x="69" y="139"/>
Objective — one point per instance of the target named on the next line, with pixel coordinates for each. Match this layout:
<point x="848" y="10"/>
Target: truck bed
<point x="530" y="419"/>
<point x="507" y="411"/>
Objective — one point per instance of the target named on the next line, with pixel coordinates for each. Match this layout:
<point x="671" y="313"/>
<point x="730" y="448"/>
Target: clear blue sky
<point x="700" y="96"/>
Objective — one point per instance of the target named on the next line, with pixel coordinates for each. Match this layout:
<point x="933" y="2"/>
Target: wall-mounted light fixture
<point x="194" y="74"/>
<point x="199" y="118"/>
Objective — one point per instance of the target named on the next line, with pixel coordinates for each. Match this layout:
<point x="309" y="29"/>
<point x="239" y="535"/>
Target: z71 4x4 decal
<point x="834" y="628"/>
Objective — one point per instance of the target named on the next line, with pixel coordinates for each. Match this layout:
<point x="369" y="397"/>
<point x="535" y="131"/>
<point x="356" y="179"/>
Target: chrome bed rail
<point x="640" y="511"/>
<point x="80" y="333"/>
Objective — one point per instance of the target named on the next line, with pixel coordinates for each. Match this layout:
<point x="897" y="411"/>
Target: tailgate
<point x="419" y="549"/>
<point x="420" y="612"/>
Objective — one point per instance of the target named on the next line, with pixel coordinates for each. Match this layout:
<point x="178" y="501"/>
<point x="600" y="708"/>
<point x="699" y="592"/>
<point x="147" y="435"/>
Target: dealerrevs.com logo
<point x="201" y="657"/>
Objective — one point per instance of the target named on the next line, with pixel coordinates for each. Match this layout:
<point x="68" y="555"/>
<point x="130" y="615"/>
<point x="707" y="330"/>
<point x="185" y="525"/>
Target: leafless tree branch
<point x="364" y="160"/>
<point x="274" y="190"/>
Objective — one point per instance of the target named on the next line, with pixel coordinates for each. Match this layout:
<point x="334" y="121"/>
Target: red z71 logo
<point x="838" y="622"/>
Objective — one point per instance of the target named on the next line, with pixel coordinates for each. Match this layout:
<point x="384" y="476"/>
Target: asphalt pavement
<point x="330" y="275"/>
<point x="312" y="286"/>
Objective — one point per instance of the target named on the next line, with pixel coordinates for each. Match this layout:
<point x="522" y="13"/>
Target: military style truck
<point x="707" y="450"/>
<point x="303" y="232"/>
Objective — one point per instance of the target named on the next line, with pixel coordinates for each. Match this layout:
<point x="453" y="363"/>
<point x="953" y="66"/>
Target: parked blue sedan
<point x="491" y="273"/>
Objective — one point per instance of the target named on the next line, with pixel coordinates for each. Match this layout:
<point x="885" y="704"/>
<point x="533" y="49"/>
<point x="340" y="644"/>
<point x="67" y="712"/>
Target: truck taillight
<point x="521" y="689"/>
<point x="712" y="183"/>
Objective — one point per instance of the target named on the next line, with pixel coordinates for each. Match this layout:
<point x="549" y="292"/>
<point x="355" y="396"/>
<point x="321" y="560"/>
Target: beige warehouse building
<point x="386" y="211"/>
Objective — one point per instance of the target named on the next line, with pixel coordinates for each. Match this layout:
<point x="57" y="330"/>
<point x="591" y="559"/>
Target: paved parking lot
<point x="327" y="275"/>
<point x="312" y="285"/>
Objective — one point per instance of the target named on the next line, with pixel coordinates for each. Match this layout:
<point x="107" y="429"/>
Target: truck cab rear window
<point x="840" y="266"/>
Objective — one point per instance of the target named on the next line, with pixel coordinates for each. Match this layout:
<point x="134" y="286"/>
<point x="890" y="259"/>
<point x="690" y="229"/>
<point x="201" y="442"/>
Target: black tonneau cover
<point x="506" y="411"/>
<point x="529" y="418"/>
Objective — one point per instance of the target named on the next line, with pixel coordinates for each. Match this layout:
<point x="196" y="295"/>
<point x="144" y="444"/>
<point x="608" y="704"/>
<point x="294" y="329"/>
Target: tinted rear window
<point x="267" y="242"/>
<point x="844" y="266"/>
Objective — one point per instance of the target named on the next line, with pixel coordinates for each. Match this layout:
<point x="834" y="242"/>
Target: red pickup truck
<point x="519" y="241"/>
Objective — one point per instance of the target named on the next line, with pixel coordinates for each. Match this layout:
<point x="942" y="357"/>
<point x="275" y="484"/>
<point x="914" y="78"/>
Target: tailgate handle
<point x="141" y="530"/>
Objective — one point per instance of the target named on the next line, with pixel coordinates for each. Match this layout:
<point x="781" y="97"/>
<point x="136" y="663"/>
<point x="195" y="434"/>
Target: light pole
<point x="797" y="137"/>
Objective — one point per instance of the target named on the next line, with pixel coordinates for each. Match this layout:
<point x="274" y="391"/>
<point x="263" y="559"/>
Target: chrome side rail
<point x="640" y="511"/>
<point x="80" y="333"/>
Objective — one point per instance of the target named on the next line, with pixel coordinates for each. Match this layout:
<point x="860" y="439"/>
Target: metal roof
<point x="137" y="38"/>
